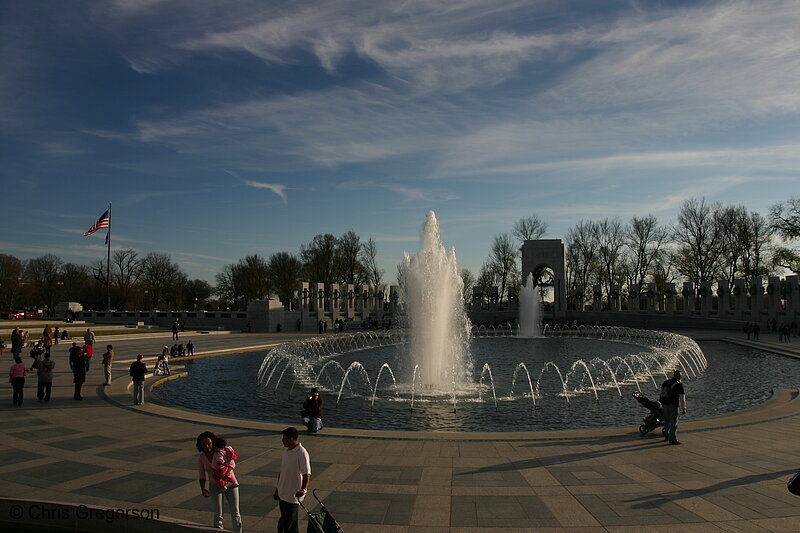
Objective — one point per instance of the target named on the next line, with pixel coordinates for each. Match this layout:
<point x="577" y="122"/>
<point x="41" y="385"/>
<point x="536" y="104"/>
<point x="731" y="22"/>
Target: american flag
<point x="101" y="223"/>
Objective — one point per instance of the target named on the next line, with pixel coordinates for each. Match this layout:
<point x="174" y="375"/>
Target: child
<point x="222" y="465"/>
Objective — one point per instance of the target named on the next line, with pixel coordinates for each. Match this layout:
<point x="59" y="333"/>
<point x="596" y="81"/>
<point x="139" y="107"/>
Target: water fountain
<point x="438" y="325"/>
<point x="530" y="309"/>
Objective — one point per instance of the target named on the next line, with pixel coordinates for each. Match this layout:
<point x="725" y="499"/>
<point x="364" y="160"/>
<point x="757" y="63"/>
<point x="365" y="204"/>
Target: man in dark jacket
<point x="672" y="395"/>
<point x="137" y="372"/>
<point x="77" y="362"/>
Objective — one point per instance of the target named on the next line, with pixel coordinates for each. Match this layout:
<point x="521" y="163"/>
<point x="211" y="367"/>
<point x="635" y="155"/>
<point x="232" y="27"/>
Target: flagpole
<point x="108" y="261"/>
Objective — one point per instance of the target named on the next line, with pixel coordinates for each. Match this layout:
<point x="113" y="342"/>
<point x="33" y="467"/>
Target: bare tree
<point x="11" y="270"/>
<point x="611" y="239"/>
<point x="348" y="250"/>
<point x="369" y="260"/>
<point x="786" y="258"/>
<point x="645" y="239"/>
<point x="503" y="260"/>
<point x="77" y="282"/>
<point x="582" y="244"/>
<point x="284" y="272"/>
<point x="126" y="267"/>
<point x="698" y="240"/>
<point x="44" y="275"/>
<point x="163" y="280"/>
<point x="756" y="261"/>
<point x="319" y="259"/>
<point x="469" y="282"/>
<point x="529" y="228"/>
<point x="785" y="218"/>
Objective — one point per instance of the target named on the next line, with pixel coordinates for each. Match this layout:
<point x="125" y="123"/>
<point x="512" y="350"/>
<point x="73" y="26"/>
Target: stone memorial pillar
<point x="688" y="297"/>
<point x="756" y="299"/>
<point x="336" y="302"/>
<point x="669" y="299"/>
<point x="579" y="296"/>
<point x="494" y="298"/>
<point x="302" y="297"/>
<point x="773" y="296"/>
<point x="347" y="301"/>
<point x="723" y="298"/>
<point x="740" y="308"/>
<point x="363" y="301"/>
<point x="380" y="297"/>
<point x="394" y="300"/>
<point x="597" y="298"/>
<point x="633" y="297"/>
<point x="614" y="302"/>
<point x="317" y="299"/>
<point x="513" y="301"/>
<point x="706" y="294"/>
<point x="477" y="298"/>
<point x="793" y="297"/>
<point x="651" y="298"/>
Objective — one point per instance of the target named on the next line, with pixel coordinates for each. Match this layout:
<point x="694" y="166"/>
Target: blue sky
<point x="222" y="129"/>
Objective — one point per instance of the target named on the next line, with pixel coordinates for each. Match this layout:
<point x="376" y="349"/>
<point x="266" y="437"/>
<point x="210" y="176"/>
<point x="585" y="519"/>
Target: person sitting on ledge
<point x="312" y="411"/>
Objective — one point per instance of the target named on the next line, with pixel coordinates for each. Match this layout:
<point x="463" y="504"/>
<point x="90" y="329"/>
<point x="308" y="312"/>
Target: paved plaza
<point x="729" y="475"/>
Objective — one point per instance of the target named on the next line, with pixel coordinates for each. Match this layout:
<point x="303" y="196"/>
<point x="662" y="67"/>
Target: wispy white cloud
<point x="278" y="189"/>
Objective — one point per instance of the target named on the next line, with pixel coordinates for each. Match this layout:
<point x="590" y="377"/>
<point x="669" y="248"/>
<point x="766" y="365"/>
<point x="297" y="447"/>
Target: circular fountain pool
<point x="735" y="378"/>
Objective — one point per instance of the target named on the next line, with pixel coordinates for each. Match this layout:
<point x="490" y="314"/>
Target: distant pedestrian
<point x="45" y="378"/>
<point x="77" y="361"/>
<point x="175" y="331"/>
<point x="16" y="342"/>
<point x="47" y="338"/>
<point x="190" y="348"/>
<point x="108" y="360"/>
<point x="293" y="480"/>
<point x="756" y="331"/>
<point x="16" y="376"/>
<point x="55" y="335"/>
<point x="88" y="337"/>
<point x="249" y="327"/>
<point x="2" y="346"/>
<point x="138" y="371"/>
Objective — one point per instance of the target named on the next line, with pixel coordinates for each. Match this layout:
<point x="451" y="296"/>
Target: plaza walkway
<point x="729" y="475"/>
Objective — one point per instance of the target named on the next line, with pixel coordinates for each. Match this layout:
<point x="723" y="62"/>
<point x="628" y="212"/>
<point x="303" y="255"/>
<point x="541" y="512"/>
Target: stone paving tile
<point x="498" y="476"/>
<point x="83" y="443"/>
<point x="134" y="487"/>
<point x="50" y="474"/>
<point x="386" y="474"/>
<point x="138" y="453"/>
<point x="500" y="511"/>
<point x="369" y="508"/>
<point x="23" y="423"/>
<point x="44" y="433"/>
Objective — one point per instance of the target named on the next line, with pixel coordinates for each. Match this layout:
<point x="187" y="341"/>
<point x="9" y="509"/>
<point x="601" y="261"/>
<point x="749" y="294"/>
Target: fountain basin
<point x="228" y="386"/>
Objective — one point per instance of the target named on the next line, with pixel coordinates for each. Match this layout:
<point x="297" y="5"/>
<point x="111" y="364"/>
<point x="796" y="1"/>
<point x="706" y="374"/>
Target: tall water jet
<point x="530" y="309"/>
<point x="439" y="327"/>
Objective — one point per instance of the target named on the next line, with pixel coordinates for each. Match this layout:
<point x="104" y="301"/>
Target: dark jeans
<point x="43" y="390"/>
<point x="288" y="520"/>
<point x="19" y="386"/>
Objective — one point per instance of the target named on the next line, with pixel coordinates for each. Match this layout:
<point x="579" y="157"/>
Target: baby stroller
<point x="655" y="418"/>
<point x="322" y="521"/>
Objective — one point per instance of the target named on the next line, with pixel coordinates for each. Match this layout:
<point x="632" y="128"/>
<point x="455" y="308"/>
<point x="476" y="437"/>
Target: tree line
<point x="707" y="242"/>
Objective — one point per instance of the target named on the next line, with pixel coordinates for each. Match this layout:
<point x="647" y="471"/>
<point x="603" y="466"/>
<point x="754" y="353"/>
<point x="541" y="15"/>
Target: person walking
<point x="108" y="360"/>
<point x="175" y="331"/>
<point x="77" y="360"/>
<point x="55" y="335"/>
<point x="137" y="371"/>
<point x="293" y="480"/>
<point x="16" y="342"/>
<point x="189" y="348"/>
<point x="88" y="337"/>
<point x="672" y="395"/>
<point x="312" y="411"/>
<point x="44" y="376"/>
<point x="16" y="376"/>
<point x="211" y="447"/>
<point x="47" y="337"/>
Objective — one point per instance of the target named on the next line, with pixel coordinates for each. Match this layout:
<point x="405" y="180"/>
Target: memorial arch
<point x="546" y="260"/>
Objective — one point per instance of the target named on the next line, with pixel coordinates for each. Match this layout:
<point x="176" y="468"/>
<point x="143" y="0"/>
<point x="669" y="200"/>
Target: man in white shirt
<point x="293" y="480"/>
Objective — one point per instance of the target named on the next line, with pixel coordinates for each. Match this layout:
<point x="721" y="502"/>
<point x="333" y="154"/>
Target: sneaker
<point x="674" y="442"/>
